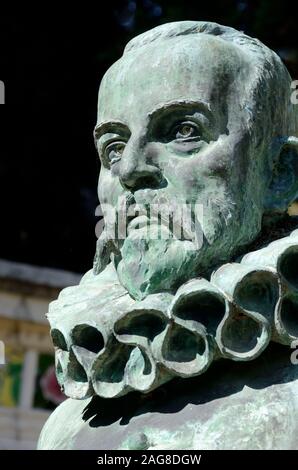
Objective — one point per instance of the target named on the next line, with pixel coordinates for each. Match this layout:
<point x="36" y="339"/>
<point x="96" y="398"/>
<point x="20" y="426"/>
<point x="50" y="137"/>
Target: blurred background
<point x="51" y="64"/>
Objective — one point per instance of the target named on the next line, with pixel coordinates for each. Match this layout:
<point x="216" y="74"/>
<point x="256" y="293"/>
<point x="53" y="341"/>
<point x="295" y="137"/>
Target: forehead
<point x="186" y="67"/>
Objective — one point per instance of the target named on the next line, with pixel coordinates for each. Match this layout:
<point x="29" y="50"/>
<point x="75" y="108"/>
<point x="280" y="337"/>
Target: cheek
<point x="193" y="176"/>
<point x="217" y="159"/>
<point x="182" y="175"/>
<point x="109" y="188"/>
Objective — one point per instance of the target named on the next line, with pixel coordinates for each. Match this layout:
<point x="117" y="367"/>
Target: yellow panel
<point x="10" y="377"/>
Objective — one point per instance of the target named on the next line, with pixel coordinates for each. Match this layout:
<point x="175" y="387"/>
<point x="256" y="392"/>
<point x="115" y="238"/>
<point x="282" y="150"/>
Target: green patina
<point x="193" y="115"/>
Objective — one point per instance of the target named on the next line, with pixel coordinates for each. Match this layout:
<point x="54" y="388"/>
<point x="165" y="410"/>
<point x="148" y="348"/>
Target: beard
<point x="149" y="265"/>
<point x="152" y="260"/>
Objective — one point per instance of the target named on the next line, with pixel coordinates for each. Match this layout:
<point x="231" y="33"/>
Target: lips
<point x="141" y="221"/>
<point x="137" y="218"/>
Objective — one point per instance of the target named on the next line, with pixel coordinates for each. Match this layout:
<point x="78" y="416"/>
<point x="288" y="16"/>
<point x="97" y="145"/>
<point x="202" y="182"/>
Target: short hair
<point x="270" y="91"/>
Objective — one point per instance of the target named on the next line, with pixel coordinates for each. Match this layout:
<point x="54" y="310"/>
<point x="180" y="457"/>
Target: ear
<point x="283" y="187"/>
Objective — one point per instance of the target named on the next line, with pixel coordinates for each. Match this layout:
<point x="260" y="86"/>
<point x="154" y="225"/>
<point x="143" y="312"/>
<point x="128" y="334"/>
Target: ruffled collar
<point x="108" y="344"/>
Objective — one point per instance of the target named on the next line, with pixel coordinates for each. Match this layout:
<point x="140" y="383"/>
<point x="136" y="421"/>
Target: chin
<point x="149" y="266"/>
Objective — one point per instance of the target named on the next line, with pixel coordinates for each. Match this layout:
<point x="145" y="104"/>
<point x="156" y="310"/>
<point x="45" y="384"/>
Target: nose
<point x="136" y="168"/>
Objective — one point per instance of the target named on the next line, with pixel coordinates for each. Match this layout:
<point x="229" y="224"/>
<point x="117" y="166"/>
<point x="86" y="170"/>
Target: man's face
<point x="171" y="131"/>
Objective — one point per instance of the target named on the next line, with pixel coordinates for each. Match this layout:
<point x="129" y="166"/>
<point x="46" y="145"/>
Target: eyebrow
<point x="108" y="127"/>
<point x="112" y="127"/>
<point x="169" y="106"/>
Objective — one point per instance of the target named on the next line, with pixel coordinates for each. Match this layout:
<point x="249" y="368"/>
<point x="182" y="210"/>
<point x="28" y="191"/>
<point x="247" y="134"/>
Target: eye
<point x="186" y="130"/>
<point x="113" y="152"/>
